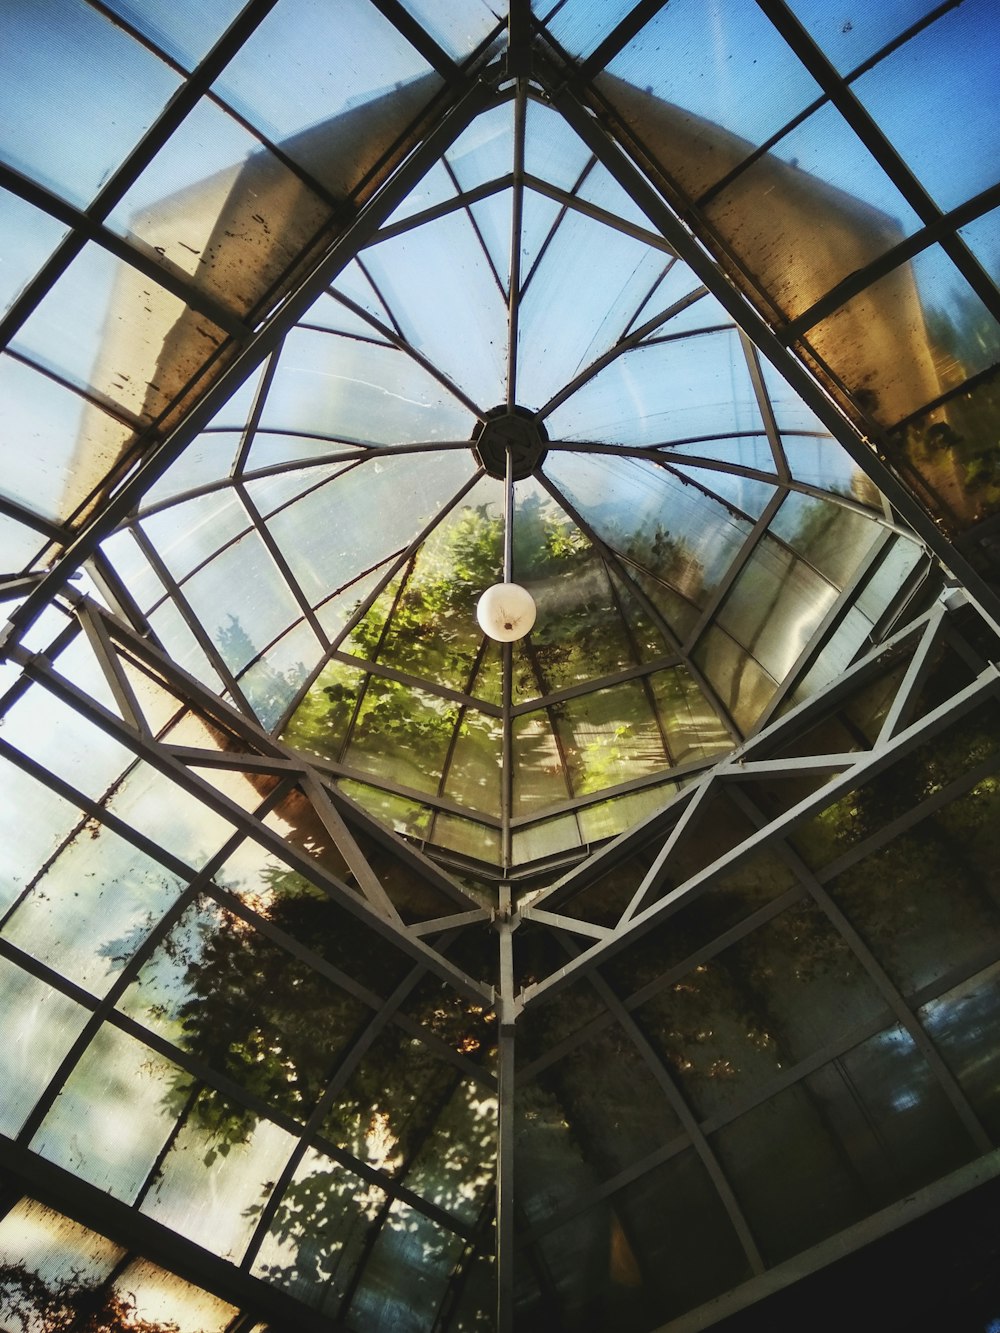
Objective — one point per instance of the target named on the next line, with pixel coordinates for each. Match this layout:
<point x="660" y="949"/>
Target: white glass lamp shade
<point x="506" y="612"/>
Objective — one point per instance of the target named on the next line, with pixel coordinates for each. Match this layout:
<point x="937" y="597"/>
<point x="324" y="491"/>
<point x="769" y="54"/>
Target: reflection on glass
<point x="40" y="1027"/>
<point x="216" y="1176"/>
<point x="319" y="1232"/>
<point x="92" y="907"/>
<point x="113" y="1114"/>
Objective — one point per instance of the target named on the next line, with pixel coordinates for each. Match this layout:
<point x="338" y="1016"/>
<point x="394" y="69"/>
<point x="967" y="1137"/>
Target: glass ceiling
<point x="258" y="302"/>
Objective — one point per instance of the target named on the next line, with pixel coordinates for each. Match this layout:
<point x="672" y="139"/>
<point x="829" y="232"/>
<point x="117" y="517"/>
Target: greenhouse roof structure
<point x="363" y="972"/>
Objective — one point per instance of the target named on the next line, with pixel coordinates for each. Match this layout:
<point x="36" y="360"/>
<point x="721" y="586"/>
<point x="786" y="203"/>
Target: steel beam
<point x="868" y="765"/>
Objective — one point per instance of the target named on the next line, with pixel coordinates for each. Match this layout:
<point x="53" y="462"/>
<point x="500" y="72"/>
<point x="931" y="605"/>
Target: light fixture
<point x="506" y="611"/>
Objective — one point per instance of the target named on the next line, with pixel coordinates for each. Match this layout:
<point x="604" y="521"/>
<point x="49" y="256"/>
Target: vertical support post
<point x="507" y="668"/>
<point x="508" y="520"/>
<point x="505" y="1120"/>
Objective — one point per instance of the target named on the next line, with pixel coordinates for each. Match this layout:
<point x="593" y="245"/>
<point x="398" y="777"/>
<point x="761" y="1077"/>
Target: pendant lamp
<point x="506" y="611"/>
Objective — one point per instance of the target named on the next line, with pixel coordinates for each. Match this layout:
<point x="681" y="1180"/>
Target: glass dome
<point x="358" y="967"/>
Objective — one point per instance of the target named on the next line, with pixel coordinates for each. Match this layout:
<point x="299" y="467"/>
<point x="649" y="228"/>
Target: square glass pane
<point x="217" y="1175"/>
<point x="184" y="29"/>
<point x="284" y="83"/>
<point x="77" y="94"/>
<point x="113" y="1114"/>
<point x="111" y="331"/>
<point x="93" y="907"/>
<point x="937" y="91"/>
<point x="319" y="1233"/>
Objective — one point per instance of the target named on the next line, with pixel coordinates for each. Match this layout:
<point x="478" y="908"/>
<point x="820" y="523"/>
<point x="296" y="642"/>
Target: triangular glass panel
<point x="354" y="283"/>
<point x="582" y="294"/>
<point x="492" y="219"/>
<point x="358" y="392"/>
<point x="454" y="315"/>
<point x="662" y="394"/>
<point x="485" y="151"/>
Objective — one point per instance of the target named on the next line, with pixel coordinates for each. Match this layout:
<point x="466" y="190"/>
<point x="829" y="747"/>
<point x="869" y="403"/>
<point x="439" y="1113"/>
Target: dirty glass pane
<point x="696" y="124"/>
<point x="45" y="1244"/>
<point x="92" y="907"/>
<point x="747" y="494"/>
<point x="154" y="1294"/>
<point x="579" y="25"/>
<point x="540" y="776"/>
<point x="545" y="838"/>
<point x="620" y="1109"/>
<point x="217" y="1175"/>
<point x="609" y="737"/>
<point x="607" y="818"/>
<point x="909" y="337"/>
<point x="113" y="1114"/>
<point x="33" y="821"/>
<point x="456" y="1167"/>
<point x="849" y="41"/>
<point x="402" y="734"/>
<point x="456" y="24"/>
<point x="110" y="330"/>
<point x="218" y="207"/>
<point x="983" y="239"/>
<point x="40" y="1026"/>
<point x="56" y="446"/>
<point x="830" y="211"/>
<point x="474" y="772"/>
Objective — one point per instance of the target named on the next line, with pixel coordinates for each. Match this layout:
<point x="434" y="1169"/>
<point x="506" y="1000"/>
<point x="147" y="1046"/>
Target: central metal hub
<point x="515" y="431"/>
